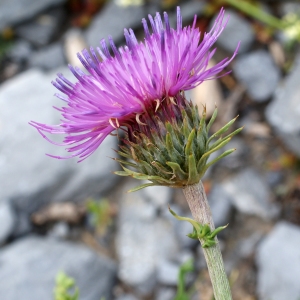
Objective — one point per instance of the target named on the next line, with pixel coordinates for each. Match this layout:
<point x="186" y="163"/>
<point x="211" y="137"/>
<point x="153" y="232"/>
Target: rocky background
<point x="60" y="215"/>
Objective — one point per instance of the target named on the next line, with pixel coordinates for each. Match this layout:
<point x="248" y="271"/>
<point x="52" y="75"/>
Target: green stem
<point x="257" y="13"/>
<point x="197" y="201"/>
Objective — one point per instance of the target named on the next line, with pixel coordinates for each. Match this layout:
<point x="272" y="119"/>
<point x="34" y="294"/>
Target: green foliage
<point x="101" y="216"/>
<point x="182" y="293"/>
<point x="65" y="288"/>
<point x="173" y="148"/>
<point x="200" y="231"/>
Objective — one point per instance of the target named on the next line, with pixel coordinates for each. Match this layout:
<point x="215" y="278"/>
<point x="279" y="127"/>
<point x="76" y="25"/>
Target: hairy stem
<point x="197" y="201"/>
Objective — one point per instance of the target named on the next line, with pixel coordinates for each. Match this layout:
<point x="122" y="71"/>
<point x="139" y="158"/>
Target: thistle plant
<point x="140" y="90"/>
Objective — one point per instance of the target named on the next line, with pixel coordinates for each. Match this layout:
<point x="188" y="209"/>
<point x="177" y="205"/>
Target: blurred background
<point x="58" y="215"/>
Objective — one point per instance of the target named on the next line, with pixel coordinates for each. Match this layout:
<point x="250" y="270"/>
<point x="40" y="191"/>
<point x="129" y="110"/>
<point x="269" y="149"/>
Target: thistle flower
<point x="120" y="88"/>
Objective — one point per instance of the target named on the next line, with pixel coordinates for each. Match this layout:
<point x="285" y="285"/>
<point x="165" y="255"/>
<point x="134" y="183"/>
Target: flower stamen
<point x="112" y="124"/>
<point x="137" y="118"/>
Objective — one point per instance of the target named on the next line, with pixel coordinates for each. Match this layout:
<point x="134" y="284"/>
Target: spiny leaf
<point x="219" y="157"/>
<point x="148" y="167"/>
<point x="161" y="168"/>
<point x="173" y="153"/>
<point x="122" y="173"/>
<point x="217" y="230"/>
<point x="201" y="143"/>
<point x="185" y="129"/>
<point x="193" y="174"/>
<point x="121" y="153"/>
<point x="125" y="162"/>
<point x="212" y="119"/>
<point x="190" y="140"/>
<point x="193" y="222"/>
<point x="141" y="187"/>
<point x="220" y="140"/>
<point x="203" y="117"/>
<point x="208" y="153"/>
<point x="179" y="173"/>
<point x="222" y="130"/>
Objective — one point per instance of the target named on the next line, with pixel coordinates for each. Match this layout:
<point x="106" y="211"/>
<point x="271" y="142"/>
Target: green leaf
<point x="179" y="173"/>
<point x="141" y="187"/>
<point x="202" y="121"/>
<point x="64" y="286"/>
<point x="121" y="153"/>
<point x="220" y="140"/>
<point x="185" y="129"/>
<point x="222" y="130"/>
<point x="217" y="230"/>
<point x="208" y="153"/>
<point x="173" y="153"/>
<point x="193" y="235"/>
<point x="161" y="168"/>
<point x="122" y="173"/>
<point x="193" y="222"/>
<point x="188" y="147"/>
<point x="212" y="119"/>
<point x="125" y="162"/>
<point x="219" y="157"/>
<point x="193" y="174"/>
<point x="185" y="268"/>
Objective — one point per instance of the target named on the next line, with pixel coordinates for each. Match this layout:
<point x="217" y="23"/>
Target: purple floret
<point x="120" y="87"/>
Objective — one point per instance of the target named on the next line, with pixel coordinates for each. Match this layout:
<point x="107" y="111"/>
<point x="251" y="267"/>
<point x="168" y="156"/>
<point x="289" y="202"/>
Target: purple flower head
<point x="119" y="88"/>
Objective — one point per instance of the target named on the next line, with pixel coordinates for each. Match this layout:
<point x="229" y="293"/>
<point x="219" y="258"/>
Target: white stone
<point x="26" y="174"/>
<point x="29" y="267"/>
<point x="278" y="262"/>
<point x="250" y="194"/>
<point x="143" y="240"/>
<point x="7" y="221"/>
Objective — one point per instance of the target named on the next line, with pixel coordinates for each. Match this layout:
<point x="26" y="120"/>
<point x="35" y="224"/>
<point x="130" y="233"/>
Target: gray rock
<point x="43" y="29"/>
<point x="32" y="181"/>
<point x="220" y="205"/>
<point x="127" y="297"/>
<point x="13" y="12"/>
<point x="160" y="196"/>
<point x="242" y="250"/>
<point x="236" y="159"/>
<point x="48" y="58"/>
<point x="20" y="51"/>
<point x="182" y="229"/>
<point x="165" y="293"/>
<point x="30" y="265"/>
<point x="23" y="224"/>
<point x="188" y="10"/>
<point x="250" y="194"/>
<point x="278" y="263"/>
<point x="283" y="112"/>
<point x="7" y="221"/>
<point x="143" y="240"/>
<point x="247" y="245"/>
<point x="168" y="272"/>
<point x="237" y="30"/>
<point x="191" y="8"/>
<point x="59" y="230"/>
<point x="112" y="20"/>
<point x="184" y="256"/>
<point x="274" y="178"/>
<point x="258" y="72"/>
<point x="289" y="7"/>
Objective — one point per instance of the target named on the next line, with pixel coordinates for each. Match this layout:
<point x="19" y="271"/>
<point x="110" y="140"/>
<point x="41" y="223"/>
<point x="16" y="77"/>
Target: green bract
<point x="171" y="145"/>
